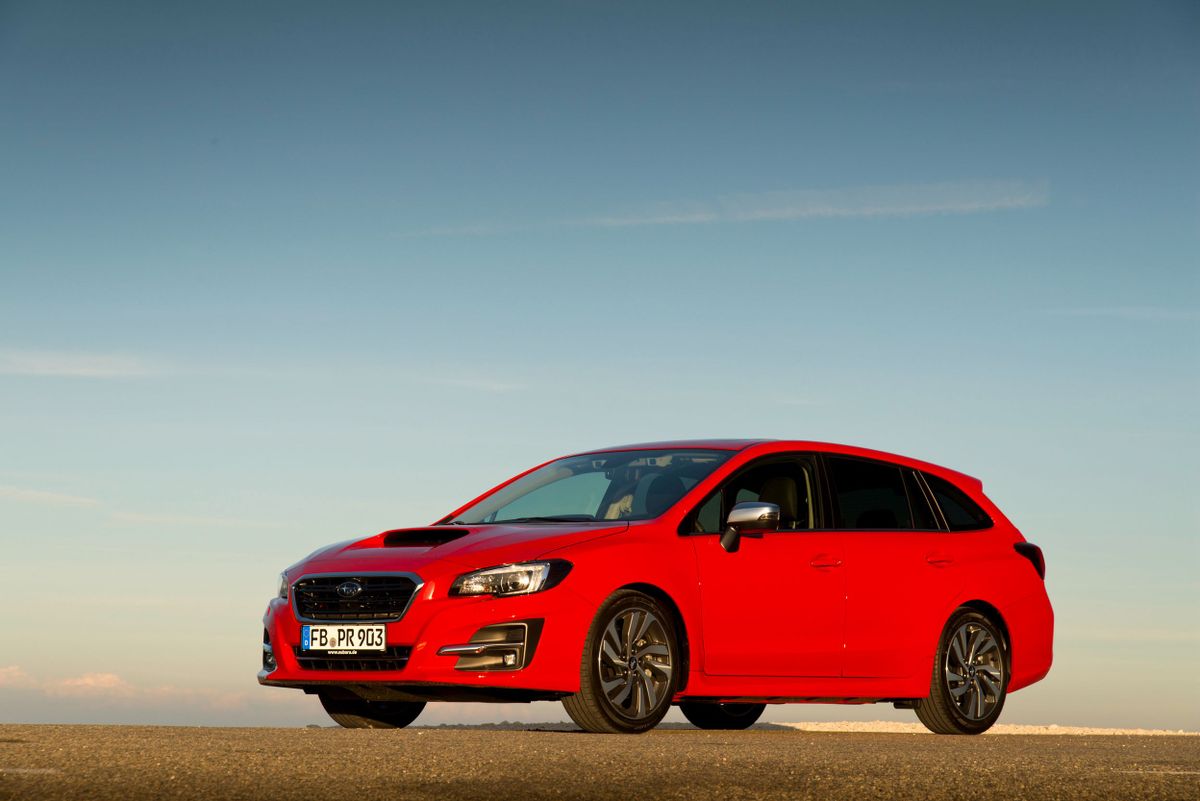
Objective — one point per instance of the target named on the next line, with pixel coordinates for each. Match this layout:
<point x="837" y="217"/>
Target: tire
<point x="359" y="714"/>
<point x="627" y="675"/>
<point x="970" y="677"/>
<point x="721" y="716"/>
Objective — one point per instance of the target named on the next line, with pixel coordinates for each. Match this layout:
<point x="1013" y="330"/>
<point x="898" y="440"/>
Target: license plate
<point x="343" y="639"/>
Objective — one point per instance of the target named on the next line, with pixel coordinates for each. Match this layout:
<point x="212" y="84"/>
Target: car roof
<point x="674" y="444"/>
<point x="784" y="445"/>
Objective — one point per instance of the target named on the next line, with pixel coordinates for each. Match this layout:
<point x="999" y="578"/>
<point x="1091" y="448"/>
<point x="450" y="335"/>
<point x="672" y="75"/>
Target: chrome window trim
<point x="348" y="575"/>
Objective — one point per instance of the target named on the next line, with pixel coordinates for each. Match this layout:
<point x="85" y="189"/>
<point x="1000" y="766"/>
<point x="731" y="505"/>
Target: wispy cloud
<point x="106" y="697"/>
<point x="92" y="684"/>
<point x="15" y="678"/>
<point x="71" y="364"/>
<point x="42" y="496"/>
<point x="112" y="688"/>
<point x="480" y="384"/>
<point x="908" y="200"/>
<point x="657" y="215"/>
<point x="189" y="520"/>
<point x="1135" y="635"/>
<point x="795" y="400"/>
<point x="1149" y="313"/>
<point x="901" y="200"/>
<point x="27" y="495"/>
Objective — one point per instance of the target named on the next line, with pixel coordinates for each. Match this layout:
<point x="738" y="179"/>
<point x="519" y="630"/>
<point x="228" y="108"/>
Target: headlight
<point x="521" y="579"/>
<point x="283" y="585"/>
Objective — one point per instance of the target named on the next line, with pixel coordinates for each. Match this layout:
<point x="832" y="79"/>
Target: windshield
<point x="622" y="485"/>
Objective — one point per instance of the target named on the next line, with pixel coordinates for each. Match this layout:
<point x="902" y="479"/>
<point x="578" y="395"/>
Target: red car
<point x="717" y="575"/>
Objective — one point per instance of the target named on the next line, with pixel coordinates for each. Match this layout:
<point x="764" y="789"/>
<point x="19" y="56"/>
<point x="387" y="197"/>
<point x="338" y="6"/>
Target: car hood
<point x="466" y="547"/>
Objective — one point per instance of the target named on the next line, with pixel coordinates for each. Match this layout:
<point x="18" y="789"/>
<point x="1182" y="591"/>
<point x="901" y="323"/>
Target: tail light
<point x="1034" y="555"/>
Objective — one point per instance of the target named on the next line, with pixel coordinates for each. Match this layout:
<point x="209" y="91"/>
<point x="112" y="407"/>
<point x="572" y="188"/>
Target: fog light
<point x="503" y="646"/>
<point x="268" y="655"/>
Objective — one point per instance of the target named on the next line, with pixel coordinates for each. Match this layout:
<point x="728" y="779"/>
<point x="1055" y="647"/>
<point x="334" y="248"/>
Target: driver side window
<point x="786" y="482"/>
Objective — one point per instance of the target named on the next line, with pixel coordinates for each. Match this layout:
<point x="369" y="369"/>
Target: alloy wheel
<point x="974" y="670"/>
<point x="635" y="663"/>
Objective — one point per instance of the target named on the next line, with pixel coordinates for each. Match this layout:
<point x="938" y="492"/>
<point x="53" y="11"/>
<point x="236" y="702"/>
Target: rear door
<point x="904" y="569"/>
<point x="776" y="606"/>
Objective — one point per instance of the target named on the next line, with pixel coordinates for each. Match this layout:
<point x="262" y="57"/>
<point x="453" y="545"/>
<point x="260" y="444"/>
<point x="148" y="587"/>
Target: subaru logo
<point x="349" y="589"/>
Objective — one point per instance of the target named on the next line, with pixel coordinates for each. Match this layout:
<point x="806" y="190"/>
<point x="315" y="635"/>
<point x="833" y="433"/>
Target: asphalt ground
<point x="144" y="762"/>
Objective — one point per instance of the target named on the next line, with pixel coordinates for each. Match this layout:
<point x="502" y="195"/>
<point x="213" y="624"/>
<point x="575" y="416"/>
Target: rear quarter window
<point x="961" y="513"/>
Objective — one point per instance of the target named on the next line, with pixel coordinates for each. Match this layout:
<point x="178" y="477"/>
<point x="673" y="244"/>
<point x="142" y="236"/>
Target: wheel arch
<point x="664" y="598"/>
<point x="993" y="614"/>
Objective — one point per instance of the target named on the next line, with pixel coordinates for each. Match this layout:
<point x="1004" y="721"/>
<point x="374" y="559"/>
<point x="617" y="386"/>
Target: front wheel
<point x="970" y="677"/>
<point x="628" y="671"/>
<point x="721" y="716"/>
<point x="360" y="714"/>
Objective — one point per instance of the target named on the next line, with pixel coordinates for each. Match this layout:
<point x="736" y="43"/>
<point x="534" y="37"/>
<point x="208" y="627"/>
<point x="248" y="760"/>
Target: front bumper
<point x="555" y="624"/>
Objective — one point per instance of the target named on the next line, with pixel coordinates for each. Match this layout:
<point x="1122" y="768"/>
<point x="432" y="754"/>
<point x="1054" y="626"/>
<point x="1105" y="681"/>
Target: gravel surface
<point x="138" y="762"/>
<point x="892" y="727"/>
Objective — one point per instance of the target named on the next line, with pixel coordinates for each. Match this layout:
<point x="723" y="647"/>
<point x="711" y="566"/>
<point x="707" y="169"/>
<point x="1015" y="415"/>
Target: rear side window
<point x="961" y="513"/>
<point x="869" y="495"/>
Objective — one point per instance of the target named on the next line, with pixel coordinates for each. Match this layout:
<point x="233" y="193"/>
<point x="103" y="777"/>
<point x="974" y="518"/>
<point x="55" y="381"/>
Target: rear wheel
<point x="721" y="716"/>
<point x="970" y="677"/>
<point x="360" y="714"/>
<point x="627" y="675"/>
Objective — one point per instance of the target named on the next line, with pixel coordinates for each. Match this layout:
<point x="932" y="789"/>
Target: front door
<point x="776" y="606"/>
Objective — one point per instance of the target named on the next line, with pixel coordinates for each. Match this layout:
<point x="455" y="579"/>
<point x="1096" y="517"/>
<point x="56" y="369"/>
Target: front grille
<point x="394" y="658"/>
<point x="382" y="598"/>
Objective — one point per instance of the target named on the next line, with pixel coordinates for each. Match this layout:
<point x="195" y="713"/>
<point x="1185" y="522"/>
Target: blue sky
<point x="277" y="276"/>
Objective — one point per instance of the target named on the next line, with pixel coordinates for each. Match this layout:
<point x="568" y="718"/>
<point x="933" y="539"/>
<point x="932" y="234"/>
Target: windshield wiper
<point x="550" y="519"/>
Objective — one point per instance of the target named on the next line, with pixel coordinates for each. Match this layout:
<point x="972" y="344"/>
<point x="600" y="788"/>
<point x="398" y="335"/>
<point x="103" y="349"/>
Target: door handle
<point x="824" y="560"/>
<point x="938" y="559"/>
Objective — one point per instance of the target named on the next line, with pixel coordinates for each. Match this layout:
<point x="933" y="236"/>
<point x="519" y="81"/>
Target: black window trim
<point x="918" y="479"/>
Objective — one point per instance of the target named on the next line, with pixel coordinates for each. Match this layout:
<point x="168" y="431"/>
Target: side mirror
<point x="749" y="518"/>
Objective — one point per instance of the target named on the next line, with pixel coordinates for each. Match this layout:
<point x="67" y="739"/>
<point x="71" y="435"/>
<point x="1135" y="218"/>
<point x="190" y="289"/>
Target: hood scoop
<point x="423" y="537"/>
